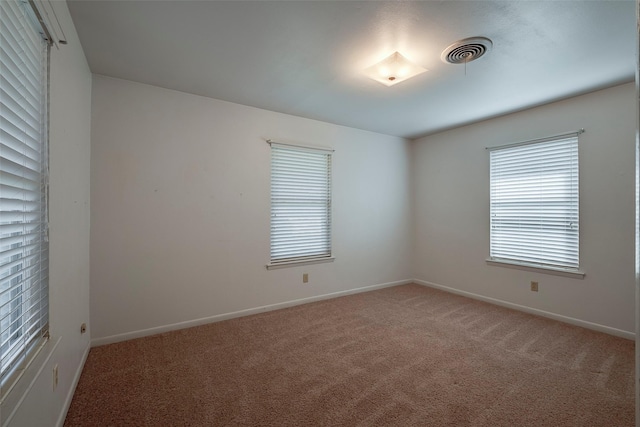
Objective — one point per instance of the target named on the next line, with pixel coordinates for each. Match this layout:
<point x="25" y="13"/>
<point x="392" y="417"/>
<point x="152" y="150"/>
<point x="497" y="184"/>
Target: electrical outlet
<point x="55" y="377"/>
<point x="534" y="286"/>
<point x="83" y="328"/>
<point x="305" y="278"/>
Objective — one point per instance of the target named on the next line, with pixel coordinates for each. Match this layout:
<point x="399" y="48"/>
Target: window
<point x="300" y="204"/>
<point x="24" y="262"/>
<point x="534" y="203"/>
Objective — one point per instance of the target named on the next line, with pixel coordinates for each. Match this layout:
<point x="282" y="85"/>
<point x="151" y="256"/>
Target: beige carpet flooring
<point x="401" y="356"/>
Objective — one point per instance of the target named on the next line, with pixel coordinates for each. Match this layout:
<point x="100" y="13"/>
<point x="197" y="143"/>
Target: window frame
<point x="544" y="181"/>
<point x="309" y="162"/>
<point x="29" y="328"/>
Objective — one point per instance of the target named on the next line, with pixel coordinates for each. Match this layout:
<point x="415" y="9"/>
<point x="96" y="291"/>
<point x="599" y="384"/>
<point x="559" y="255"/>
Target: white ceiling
<point x="306" y="57"/>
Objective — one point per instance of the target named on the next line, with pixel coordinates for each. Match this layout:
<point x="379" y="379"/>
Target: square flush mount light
<point x="394" y="69"/>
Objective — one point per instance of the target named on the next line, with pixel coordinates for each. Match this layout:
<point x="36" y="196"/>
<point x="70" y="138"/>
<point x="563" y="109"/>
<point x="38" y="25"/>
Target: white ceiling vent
<point x="466" y="50"/>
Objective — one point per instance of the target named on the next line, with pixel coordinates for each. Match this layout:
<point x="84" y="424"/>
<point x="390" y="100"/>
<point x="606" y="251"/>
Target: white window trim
<point x="275" y="266"/>
<point x="574" y="274"/>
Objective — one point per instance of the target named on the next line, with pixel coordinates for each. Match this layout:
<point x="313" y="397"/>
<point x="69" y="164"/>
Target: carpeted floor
<point x="401" y="356"/>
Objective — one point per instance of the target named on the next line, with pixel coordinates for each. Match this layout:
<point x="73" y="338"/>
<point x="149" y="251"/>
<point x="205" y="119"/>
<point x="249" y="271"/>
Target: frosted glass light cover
<point x="394" y="69"/>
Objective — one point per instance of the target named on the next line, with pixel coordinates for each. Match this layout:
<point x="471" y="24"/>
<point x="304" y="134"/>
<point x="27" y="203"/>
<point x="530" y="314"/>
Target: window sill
<point x="574" y="274"/>
<point x="287" y="264"/>
<point x="25" y="379"/>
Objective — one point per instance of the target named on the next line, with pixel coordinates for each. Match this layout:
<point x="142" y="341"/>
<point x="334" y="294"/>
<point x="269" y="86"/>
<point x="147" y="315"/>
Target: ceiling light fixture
<point x="394" y="69"/>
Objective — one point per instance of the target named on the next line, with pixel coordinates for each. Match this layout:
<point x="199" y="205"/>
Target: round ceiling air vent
<point x="466" y="50"/>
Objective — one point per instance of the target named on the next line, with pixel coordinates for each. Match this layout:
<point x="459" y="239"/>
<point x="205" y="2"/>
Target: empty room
<point x="331" y="213"/>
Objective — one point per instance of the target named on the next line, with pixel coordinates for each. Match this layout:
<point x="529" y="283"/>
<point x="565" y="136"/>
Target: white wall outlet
<point x="305" y="278"/>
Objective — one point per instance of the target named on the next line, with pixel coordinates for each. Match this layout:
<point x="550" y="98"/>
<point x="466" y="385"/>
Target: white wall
<point x="450" y="173"/>
<point x="180" y="209"/>
<point x="69" y="136"/>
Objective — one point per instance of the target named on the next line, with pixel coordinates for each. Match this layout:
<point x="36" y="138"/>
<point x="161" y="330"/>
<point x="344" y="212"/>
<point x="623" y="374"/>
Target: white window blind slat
<point x="300" y="203"/>
<point x="28" y="64"/>
<point x="16" y="126"/>
<point x="17" y="169"/>
<point x="23" y="169"/>
<point x="9" y="97"/>
<point x="534" y="203"/>
<point x="18" y="71"/>
<point x="21" y="158"/>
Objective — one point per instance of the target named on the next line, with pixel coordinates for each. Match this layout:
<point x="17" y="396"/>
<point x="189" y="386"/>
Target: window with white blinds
<point x="24" y="262"/>
<point x="300" y="204"/>
<point x="534" y="203"/>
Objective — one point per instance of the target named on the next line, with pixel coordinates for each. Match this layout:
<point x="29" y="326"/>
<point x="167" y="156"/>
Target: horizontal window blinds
<point x="300" y="203"/>
<point x="23" y="171"/>
<point x="534" y="203"/>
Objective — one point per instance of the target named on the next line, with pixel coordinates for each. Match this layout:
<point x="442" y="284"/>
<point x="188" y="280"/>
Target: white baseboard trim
<point x="72" y="389"/>
<point x="226" y="316"/>
<point x="566" y="319"/>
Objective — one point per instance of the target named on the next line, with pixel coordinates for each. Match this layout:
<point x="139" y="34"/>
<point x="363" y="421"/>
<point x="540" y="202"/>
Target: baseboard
<point x="566" y="319"/>
<point x="72" y="389"/>
<point x="226" y="316"/>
